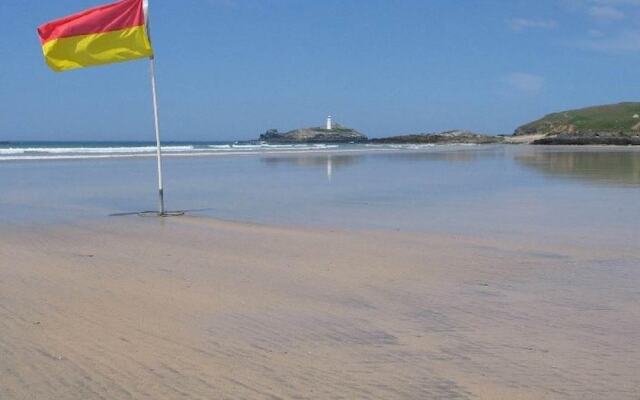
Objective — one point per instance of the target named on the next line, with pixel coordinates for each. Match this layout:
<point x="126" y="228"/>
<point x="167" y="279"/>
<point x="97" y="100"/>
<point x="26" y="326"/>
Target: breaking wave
<point x="73" y="151"/>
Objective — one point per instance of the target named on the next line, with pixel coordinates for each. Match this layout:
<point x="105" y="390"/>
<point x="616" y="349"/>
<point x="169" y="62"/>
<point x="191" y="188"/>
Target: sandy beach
<point x="320" y="200"/>
<point x="198" y="308"/>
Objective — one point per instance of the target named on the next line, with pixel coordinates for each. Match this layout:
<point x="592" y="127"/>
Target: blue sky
<point x="230" y="69"/>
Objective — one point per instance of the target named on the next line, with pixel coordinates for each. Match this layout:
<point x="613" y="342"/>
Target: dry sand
<point x="191" y="308"/>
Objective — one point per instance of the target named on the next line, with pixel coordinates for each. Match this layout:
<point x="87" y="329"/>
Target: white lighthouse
<point x="329" y="123"/>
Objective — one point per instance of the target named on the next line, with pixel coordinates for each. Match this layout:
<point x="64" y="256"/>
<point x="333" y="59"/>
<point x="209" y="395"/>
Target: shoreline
<point x="198" y="307"/>
<point x="373" y="148"/>
<point x="217" y="153"/>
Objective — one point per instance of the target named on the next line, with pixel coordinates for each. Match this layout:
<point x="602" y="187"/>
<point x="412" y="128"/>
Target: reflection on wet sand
<point x="333" y="160"/>
<point x="451" y="154"/>
<point x="321" y="160"/>
<point x="596" y="165"/>
<point x="329" y="162"/>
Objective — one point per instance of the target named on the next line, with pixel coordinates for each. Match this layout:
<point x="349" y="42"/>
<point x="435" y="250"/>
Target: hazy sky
<point x="230" y="69"/>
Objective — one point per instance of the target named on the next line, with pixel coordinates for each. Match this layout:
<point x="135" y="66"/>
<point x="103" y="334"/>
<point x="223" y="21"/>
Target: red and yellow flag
<point x="102" y="35"/>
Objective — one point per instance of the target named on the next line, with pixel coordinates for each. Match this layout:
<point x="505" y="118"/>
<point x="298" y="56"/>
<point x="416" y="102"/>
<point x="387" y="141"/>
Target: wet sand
<point x="195" y="308"/>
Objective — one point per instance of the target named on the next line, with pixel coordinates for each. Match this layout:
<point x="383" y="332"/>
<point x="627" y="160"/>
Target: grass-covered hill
<point x="606" y="124"/>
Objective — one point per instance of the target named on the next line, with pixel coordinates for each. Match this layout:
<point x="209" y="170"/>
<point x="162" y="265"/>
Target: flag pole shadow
<point x="161" y="214"/>
<point x="177" y="213"/>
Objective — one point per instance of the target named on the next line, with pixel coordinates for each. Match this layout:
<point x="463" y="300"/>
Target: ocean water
<point x="42" y="151"/>
<point x="585" y="194"/>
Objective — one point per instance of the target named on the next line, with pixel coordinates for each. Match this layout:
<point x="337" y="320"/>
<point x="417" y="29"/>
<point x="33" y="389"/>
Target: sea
<point x="589" y="194"/>
<point x="43" y="150"/>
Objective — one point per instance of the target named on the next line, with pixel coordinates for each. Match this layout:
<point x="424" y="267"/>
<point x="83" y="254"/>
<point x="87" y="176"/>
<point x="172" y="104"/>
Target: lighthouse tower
<point x="329" y="123"/>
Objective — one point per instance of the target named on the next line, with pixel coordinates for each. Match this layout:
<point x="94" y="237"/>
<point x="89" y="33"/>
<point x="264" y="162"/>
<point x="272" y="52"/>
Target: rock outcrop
<point x="455" y="136"/>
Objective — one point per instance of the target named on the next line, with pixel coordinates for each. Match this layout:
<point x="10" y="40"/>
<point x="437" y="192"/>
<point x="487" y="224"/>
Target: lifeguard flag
<point x="102" y="35"/>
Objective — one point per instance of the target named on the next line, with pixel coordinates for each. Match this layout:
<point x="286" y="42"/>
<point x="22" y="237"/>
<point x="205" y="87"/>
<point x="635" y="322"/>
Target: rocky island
<point x="331" y="133"/>
<point x="336" y="133"/>
<point x="615" y="124"/>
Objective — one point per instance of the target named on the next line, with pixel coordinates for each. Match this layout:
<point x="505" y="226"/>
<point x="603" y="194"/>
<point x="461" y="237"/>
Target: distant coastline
<point x="610" y="124"/>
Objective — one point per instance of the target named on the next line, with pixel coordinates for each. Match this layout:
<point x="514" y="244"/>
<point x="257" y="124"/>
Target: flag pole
<point x="156" y="120"/>
<point x="152" y="70"/>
